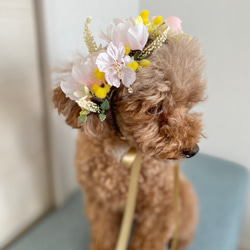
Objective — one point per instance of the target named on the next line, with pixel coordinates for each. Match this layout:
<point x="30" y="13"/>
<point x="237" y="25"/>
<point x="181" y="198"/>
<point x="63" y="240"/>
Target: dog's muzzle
<point x="193" y="152"/>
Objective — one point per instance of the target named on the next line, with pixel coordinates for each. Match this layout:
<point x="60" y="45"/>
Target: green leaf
<point x="102" y="117"/>
<point x="85" y="117"/>
<point x="105" y="105"/>
<point x="82" y="118"/>
<point x="136" y="55"/>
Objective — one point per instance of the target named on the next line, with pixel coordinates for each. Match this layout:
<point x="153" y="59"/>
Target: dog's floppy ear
<point x="95" y="127"/>
<point x="66" y="107"/>
<point x="70" y="109"/>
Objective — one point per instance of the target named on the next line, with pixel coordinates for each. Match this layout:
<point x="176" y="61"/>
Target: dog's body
<point x="155" y="119"/>
<point x="105" y="182"/>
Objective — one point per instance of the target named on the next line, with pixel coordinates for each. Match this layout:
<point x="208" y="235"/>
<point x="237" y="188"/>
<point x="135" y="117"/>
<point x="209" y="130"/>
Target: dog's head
<point x="157" y="117"/>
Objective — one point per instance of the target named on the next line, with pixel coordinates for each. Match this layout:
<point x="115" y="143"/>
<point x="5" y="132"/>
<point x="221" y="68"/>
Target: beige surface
<point x="24" y="195"/>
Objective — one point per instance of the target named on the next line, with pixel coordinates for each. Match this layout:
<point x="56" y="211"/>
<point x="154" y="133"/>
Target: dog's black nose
<point x="193" y="152"/>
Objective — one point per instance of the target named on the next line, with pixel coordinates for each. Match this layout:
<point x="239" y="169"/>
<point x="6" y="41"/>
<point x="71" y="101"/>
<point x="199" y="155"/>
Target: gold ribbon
<point x="176" y="206"/>
<point x="130" y="159"/>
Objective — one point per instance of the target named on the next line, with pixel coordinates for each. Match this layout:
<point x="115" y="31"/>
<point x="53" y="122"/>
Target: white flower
<point x="113" y="64"/>
<point x="78" y="82"/>
<point x="88" y="105"/>
<point x="128" y="32"/>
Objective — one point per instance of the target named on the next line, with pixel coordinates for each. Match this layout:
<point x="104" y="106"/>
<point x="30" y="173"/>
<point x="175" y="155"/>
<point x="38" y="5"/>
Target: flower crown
<point x="130" y="42"/>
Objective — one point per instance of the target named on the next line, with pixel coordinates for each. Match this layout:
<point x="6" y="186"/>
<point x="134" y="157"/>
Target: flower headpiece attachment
<point x="130" y="42"/>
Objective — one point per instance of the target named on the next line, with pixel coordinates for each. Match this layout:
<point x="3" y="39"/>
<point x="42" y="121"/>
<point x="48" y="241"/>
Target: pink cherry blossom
<point x="128" y="32"/>
<point x="174" y="24"/>
<point x="69" y="86"/>
<point x="113" y="64"/>
<point x="82" y="74"/>
<point x="83" y="71"/>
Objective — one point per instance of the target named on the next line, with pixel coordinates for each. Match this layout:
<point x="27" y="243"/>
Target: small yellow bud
<point x="99" y="75"/>
<point x="144" y="62"/>
<point x="151" y="28"/>
<point x="83" y="112"/>
<point x="127" y="49"/>
<point x="101" y="93"/>
<point x="107" y="87"/>
<point x="144" y="14"/>
<point x="145" y="21"/>
<point x="95" y="87"/>
<point x="158" y="20"/>
<point x="138" y="20"/>
<point x="133" y="65"/>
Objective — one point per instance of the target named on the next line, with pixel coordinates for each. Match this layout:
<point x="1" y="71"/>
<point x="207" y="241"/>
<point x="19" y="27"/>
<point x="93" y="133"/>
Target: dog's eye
<point x="155" y="110"/>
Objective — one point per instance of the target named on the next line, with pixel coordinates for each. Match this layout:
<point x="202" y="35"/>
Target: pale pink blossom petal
<point x="140" y="34"/>
<point x="128" y="32"/>
<point x="113" y="80"/>
<point x="131" y="41"/>
<point x="104" y="62"/>
<point x="116" y="50"/>
<point x="127" y="59"/>
<point x="174" y="24"/>
<point x="128" y="76"/>
<point x="116" y="21"/>
<point x="113" y="63"/>
<point x="83" y="71"/>
<point x="132" y="20"/>
<point x="82" y="74"/>
<point x="69" y="86"/>
<point x="121" y="26"/>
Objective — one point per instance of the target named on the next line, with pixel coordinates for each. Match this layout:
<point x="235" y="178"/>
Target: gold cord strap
<point x="133" y="159"/>
<point x="130" y="159"/>
<point x="176" y="206"/>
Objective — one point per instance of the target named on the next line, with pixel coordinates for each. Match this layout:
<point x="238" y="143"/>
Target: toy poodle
<point x="154" y="116"/>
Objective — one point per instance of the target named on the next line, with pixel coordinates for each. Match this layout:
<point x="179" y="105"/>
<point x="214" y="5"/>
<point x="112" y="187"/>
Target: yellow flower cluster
<point x="158" y="20"/>
<point x="99" y="75"/>
<point x="144" y="15"/>
<point x="135" y="66"/>
<point x="127" y="49"/>
<point x="144" y="62"/>
<point x="152" y="25"/>
<point x="101" y="91"/>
